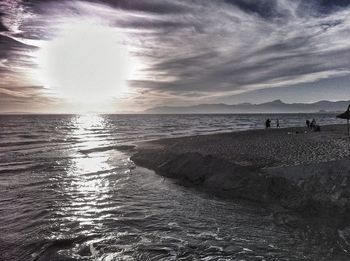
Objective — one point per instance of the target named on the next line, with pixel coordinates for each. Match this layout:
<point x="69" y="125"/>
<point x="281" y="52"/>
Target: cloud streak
<point x="193" y="51"/>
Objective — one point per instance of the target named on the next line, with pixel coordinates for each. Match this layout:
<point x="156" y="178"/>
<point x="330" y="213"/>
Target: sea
<point x="69" y="191"/>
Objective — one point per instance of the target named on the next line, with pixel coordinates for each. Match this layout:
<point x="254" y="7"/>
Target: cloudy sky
<point x="71" y="56"/>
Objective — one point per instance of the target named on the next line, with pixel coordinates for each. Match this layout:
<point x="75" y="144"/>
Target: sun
<point x="84" y="63"/>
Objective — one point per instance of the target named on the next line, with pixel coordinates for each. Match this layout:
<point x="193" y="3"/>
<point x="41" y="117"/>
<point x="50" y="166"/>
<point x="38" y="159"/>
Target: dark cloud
<point x="3" y="28"/>
<point x="149" y="6"/>
<point x="164" y="7"/>
<point x="10" y="46"/>
<point x="140" y="23"/>
<point x="269" y="8"/>
<point x="263" y="8"/>
<point x="328" y="6"/>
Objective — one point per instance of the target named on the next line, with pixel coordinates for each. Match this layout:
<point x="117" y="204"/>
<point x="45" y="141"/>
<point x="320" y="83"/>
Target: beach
<point x="296" y="169"/>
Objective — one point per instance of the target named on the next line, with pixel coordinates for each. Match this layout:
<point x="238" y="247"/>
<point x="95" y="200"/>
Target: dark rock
<point x="297" y="188"/>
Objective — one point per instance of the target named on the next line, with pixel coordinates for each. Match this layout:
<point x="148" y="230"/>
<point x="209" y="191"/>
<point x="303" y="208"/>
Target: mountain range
<point x="276" y="106"/>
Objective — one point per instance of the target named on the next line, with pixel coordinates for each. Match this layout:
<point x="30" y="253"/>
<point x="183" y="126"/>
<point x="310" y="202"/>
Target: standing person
<point x="268" y="123"/>
<point x="308" y="124"/>
<point x="313" y="123"/>
<point x="277" y="123"/>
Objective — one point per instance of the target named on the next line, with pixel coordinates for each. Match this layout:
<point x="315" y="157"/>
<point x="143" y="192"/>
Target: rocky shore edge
<point x="325" y="192"/>
<point x="315" y="189"/>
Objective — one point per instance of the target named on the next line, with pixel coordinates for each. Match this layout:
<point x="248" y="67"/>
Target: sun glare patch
<point x="85" y="63"/>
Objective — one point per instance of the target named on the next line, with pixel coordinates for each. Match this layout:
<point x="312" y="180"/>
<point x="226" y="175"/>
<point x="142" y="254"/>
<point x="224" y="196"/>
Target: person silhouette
<point x="313" y="123"/>
<point x="308" y="124"/>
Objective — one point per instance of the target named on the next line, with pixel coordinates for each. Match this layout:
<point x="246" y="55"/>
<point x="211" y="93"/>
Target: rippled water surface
<point x="68" y="191"/>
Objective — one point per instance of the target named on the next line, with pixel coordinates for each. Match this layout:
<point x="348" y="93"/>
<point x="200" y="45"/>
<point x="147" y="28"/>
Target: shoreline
<point x="293" y="168"/>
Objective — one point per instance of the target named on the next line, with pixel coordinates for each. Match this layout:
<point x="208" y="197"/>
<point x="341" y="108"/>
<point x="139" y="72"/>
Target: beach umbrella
<point x="345" y="115"/>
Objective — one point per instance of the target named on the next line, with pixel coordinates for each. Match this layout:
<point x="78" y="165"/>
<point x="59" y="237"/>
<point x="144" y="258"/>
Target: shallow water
<point x="67" y="192"/>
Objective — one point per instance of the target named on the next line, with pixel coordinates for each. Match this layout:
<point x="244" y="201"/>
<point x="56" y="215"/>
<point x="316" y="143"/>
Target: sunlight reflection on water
<point x="86" y="184"/>
<point x="91" y="180"/>
<point x="88" y="164"/>
<point x="88" y="121"/>
<point x="85" y="128"/>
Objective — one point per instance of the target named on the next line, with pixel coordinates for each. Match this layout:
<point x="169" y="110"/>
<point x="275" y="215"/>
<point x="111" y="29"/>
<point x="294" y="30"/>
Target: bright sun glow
<point x="85" y="63"/>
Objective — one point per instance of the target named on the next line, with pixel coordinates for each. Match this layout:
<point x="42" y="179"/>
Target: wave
<point x="106" y="148"/>
<point x="21" y="143"/>
<point x="20" y="168"/>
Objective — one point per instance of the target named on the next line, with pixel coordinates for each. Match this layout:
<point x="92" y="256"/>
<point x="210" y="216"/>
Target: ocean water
<point x="69" y="192"/>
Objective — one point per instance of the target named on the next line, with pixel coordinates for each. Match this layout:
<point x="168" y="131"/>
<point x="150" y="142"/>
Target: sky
<point x="129" y="55"/>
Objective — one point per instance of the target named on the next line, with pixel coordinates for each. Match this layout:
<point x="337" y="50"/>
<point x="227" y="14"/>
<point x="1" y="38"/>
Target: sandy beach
<point x="297" y="168"/>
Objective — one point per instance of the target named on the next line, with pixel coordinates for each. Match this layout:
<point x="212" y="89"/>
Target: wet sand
<point x="297" y="168"/>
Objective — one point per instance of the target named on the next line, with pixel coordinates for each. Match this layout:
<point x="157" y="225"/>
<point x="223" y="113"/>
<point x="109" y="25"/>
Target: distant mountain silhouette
<point x="276" y="106"/>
